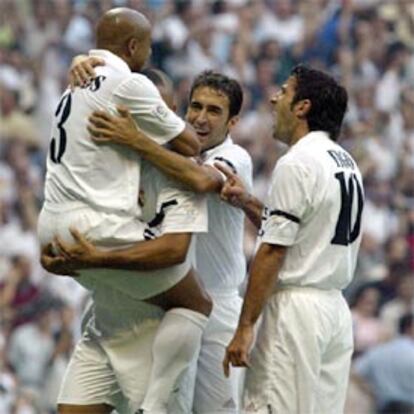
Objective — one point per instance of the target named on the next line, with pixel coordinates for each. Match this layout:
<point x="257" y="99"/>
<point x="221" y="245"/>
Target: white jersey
<point x="219" y="254"/>
<point x="104" y="177"/>
<point x="314" y="206"/>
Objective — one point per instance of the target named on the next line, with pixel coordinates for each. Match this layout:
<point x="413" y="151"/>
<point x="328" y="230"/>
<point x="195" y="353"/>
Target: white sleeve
<point x="238" y="160"/>
<point x="288" y="200"/>
<point x="148" y="109"/>
<point x="179" y="211"/>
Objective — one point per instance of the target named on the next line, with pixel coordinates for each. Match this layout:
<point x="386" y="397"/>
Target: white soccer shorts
<point x="301" y="360"/>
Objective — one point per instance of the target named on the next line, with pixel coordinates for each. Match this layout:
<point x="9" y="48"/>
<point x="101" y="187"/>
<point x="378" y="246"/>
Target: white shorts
<point x="110" y="231"/>
<point x="214" y="393"/>
<point x="112" y="371"/>
<point x="301" y="360"/>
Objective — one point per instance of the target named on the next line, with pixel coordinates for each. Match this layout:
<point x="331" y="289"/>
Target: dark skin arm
<point x="82" y="72"/>
<point x="234" y="192"/>
<point x="165" y="251"/>
<point x="122" y="130"/>
<point x="262" y="281"/>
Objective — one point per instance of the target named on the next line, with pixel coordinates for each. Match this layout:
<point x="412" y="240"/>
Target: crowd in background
<point x="367" y="44"/>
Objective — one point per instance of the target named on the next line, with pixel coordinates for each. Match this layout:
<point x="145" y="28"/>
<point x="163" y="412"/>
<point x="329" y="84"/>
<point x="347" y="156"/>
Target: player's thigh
<point x="336" y="362"/>
<point x="214" y="393"/>
<point x="88" y="380"/>
<point x="130" y="356"/>
<point x="285" y="361"/>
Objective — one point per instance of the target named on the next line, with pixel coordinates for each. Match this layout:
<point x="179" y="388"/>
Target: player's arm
<point x="122" y="129"/>
<point x="261" y="284"/>
<point x="167" y="250"/>
<point x="82" y="71"/>
<point x="235" y="193"/>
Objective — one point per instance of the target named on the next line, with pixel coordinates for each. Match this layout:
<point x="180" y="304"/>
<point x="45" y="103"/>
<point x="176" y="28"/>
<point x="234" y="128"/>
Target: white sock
<point x="176" y="345"/>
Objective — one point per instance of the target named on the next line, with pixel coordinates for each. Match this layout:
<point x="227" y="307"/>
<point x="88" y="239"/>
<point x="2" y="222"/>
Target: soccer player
<point x="309" y="240"/>
<point x="215" y="102"/>
<point x="96" y="188"/>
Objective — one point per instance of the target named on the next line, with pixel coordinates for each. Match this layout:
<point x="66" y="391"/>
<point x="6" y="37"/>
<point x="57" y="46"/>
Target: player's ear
<point x="302" y="108"/>
<point x="132" y="45"/>
<point x="232" y="122"/>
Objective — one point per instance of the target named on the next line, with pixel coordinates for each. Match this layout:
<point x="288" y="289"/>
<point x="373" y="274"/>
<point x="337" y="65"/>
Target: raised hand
<point x="121" y="129"/>
<point x="233" y="190"/>
<point x="82" y="71"/>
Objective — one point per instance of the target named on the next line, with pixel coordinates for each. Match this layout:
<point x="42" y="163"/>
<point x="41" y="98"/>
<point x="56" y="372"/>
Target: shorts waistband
<point x="58" y="208"/>
<point x="307" y="289"/>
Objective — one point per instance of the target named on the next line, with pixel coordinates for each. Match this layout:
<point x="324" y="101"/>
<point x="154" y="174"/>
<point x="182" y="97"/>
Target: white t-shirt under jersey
<point x="105" y="177"/>
<point x="314" y="206"/>
<point x="219" y="254"/>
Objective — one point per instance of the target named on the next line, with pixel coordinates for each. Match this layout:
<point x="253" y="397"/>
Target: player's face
<point x="285" y="121"/>
<point x="208" y="113"/>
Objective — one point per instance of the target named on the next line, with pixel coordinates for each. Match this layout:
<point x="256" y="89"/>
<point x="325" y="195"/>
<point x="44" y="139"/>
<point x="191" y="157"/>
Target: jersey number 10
<point x="344" y="232"/>
<point x="58" y="145"/>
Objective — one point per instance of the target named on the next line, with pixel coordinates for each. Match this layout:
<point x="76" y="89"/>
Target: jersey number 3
<point x="58" y="145"/>
<point x="344" y="232"/>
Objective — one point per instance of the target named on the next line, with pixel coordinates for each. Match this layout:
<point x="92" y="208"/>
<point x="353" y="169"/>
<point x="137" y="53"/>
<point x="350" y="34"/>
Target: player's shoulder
<point x="232" y="152"/>
<point x="136" y="83"/>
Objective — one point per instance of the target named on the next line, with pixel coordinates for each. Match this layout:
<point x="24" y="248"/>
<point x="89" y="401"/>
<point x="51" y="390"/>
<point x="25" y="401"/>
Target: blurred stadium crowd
<point x="368" y="44"/>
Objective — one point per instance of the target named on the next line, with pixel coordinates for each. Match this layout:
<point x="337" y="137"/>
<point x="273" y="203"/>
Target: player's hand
<point x="121" y="129"/>
<point x="81" y="254"/>
<point x="233" y="190"/>
<point x="56" y="264"/>
<point x="82" y="71"/>
<point x="237" y="352"/>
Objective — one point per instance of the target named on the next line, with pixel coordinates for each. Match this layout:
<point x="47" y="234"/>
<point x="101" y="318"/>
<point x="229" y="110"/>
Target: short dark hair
<point x="223" y="84"/>
<point x="158" y="77"/>
<point x="405" y="323"/>
<point x="329" y="99"/>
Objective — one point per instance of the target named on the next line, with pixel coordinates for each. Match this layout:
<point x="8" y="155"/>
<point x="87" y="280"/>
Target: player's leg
<point x="178" y="339"/>
<point x="336" y="361"/>
<point x="89" y="385"/>
<point x="214" y="393"/>
<point x="285" y="361"/>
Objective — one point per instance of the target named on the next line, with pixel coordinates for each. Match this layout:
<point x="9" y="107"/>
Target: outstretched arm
<point x="167" y="250"/>
<point x="234" y="192"/>
<point x="122" y="130"/>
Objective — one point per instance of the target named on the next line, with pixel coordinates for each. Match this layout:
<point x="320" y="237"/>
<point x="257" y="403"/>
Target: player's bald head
<point x="117" y="26"/>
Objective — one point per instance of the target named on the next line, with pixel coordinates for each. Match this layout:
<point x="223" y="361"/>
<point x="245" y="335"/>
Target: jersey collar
<point x="110" y="57"/>
<point x="227" y="141"/>
<point x="309" y="138"/>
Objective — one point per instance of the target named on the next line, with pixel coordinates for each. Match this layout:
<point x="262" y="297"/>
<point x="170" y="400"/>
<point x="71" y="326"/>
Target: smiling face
<point x="208" y="113"/>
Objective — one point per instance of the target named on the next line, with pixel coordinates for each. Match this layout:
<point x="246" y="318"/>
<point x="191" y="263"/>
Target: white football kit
<point x="95" y="187"/>
<point x="221" y="264"/>
<point x="113" y="360"/>
<point x="300" y="362"/>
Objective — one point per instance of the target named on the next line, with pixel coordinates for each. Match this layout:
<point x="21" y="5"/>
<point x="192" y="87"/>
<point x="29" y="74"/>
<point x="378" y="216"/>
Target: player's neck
<point x="301" y="131"/>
